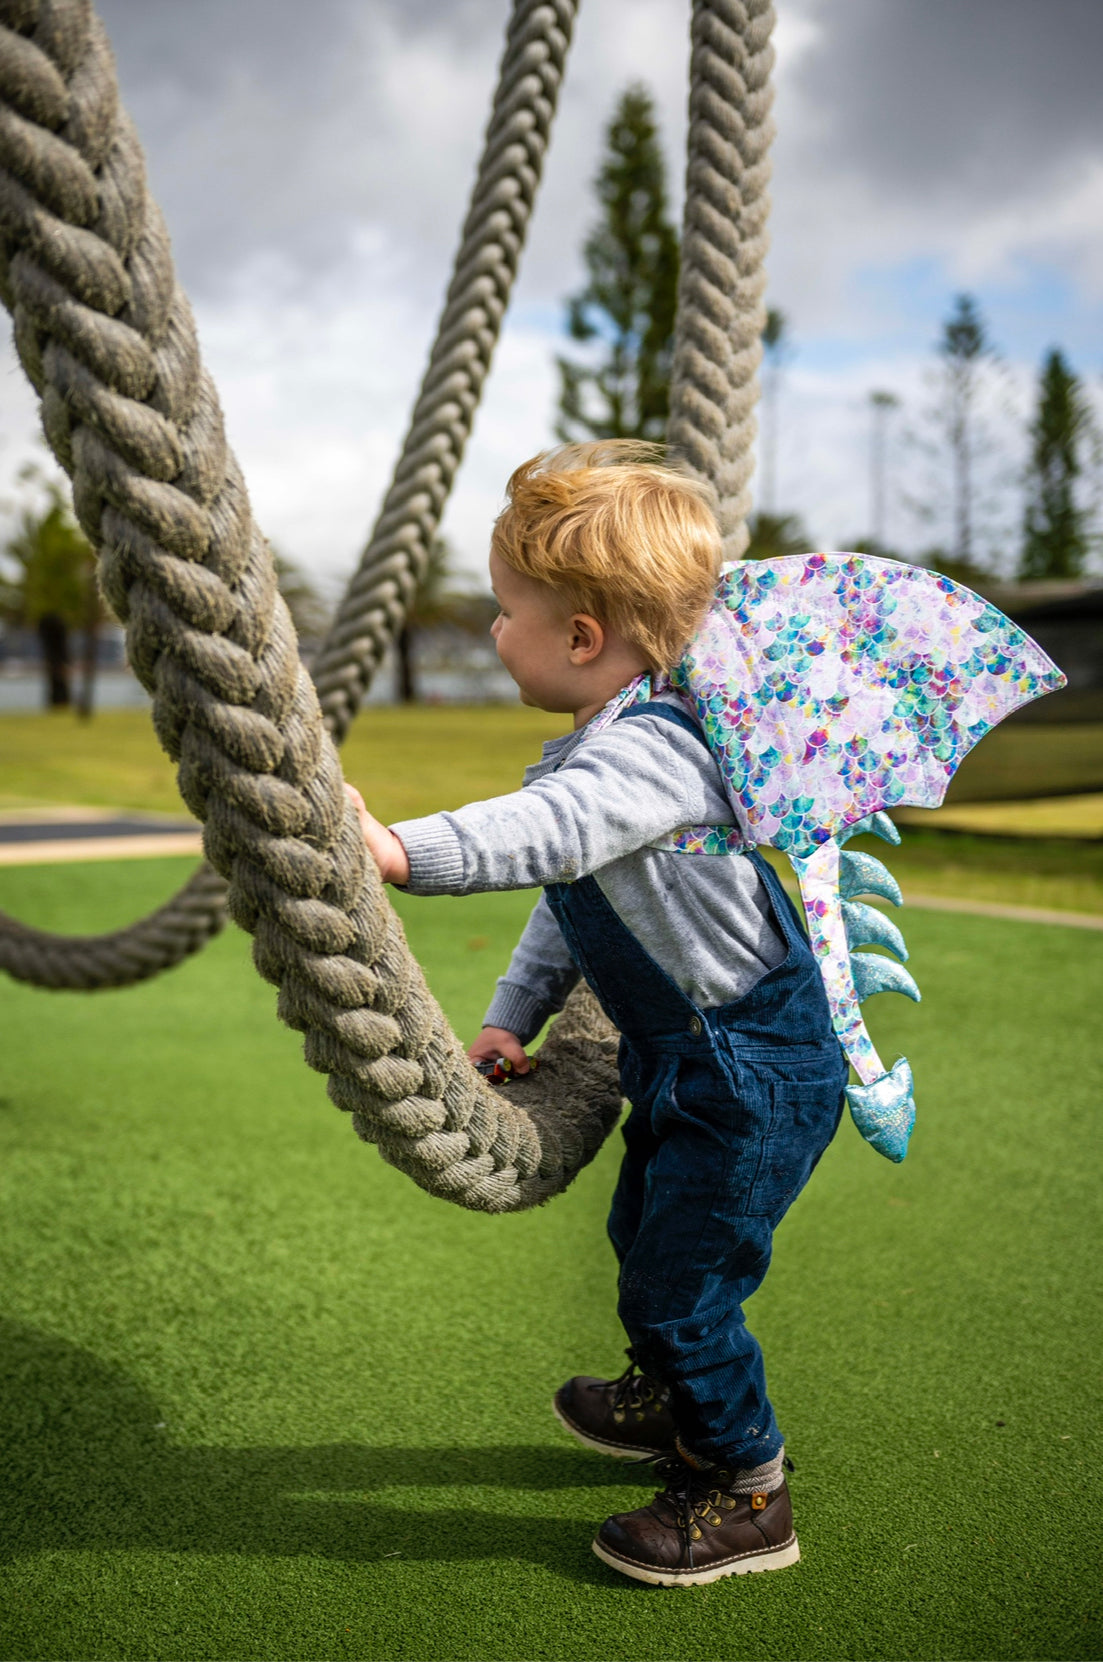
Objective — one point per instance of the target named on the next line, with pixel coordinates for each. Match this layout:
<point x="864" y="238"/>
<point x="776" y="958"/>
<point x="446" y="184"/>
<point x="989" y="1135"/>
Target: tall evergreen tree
<point x="964" y="349"/>
<point x="1055" y="528"/>
<point x="775" y="342"/>
<point x="628" y="304"/>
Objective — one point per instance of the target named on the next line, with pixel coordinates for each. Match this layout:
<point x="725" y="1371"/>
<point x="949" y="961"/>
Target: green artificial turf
<point x="405" y="757"/>
<point x="262" y="1398"/>
<point x="416" y="759"/>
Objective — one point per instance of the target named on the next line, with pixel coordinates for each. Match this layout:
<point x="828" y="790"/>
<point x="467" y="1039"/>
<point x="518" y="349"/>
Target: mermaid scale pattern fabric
<point x="832" y="687"/>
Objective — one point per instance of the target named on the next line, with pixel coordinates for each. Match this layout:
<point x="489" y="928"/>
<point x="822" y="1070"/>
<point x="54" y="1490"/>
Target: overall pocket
<point x="803" y="1119"/>
<point x="795" y="1107"/>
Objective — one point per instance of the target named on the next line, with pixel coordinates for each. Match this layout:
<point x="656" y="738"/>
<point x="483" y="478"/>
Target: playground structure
<point x="914" y="669"/>
<point x="106" y="337"/>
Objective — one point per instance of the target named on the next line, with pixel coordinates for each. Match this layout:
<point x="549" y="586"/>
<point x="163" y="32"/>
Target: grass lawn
<point x="406" y="761"/>
<point x="1044" y="816"/>
<point x="417" y="760"/>
<point x="1031" y="759"/>
<point x="262" y="1398"/>
<point x="404" y="758"/>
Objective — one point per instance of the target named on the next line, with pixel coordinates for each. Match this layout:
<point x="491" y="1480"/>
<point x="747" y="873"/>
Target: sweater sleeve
<point x="627" y="788"/>
<point x="541" y="974"/>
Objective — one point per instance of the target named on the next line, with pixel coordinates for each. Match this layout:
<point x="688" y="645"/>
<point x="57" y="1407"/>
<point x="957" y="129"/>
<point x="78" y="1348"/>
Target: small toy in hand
<point x="500" y="1071"/>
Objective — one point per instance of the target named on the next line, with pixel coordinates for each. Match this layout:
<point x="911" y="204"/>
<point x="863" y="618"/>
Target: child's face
<point x="534" y="634"/>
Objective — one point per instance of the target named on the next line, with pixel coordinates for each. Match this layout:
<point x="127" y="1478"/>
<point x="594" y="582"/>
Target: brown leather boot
<point x="698" y="1529"/>
<point x="628" y="1417"/>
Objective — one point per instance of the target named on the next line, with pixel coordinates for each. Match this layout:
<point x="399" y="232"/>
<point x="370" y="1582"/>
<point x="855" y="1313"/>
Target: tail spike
<point x="874" y="825"/>
<point x="884" y="1110"/>
<point x="862" y="874"/>
<point x="867" y="926"/>
<point x="874" y="974"/>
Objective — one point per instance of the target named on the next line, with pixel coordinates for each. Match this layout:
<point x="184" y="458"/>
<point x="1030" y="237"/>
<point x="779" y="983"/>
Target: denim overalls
<point x="731" y="1109"/>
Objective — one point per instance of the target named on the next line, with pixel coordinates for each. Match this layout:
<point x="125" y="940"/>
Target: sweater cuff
<point x="517" y="1010"/>
<point x="434" y="852"/>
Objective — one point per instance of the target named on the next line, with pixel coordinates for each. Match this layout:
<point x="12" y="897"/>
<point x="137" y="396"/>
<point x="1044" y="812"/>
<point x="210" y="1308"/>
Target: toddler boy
<point x="603" y="564"/>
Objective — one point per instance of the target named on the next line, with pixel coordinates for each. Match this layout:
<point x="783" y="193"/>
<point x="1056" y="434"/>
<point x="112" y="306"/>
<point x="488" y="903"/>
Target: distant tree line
<point x="48" y="588"/>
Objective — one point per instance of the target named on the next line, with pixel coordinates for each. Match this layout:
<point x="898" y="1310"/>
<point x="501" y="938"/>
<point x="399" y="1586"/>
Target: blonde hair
<point x="621" y="532"/>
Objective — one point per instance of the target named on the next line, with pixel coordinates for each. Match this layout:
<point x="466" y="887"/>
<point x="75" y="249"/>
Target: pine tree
<point x="1055" y="533"/>
<point x="964" y="350"/>
<point x="629" y="301"/>
<point x="775" y="343"/>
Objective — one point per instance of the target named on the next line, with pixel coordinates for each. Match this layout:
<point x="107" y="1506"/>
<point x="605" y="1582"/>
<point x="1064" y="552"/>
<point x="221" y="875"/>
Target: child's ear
<point x="587" y="638"/>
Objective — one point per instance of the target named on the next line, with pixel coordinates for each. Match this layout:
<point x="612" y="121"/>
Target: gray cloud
<point x="313" y="161"/>
<point x="279" y="129"/>
<point x="275" y="127"/>
<point x="987" y="97"/>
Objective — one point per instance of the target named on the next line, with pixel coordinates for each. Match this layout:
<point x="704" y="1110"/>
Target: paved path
<point x="995" y="909"/>
<point x="43" y="836"/>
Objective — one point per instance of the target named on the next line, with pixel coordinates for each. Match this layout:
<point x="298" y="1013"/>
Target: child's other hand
<point x="493" y="1042"/>
<point x="383" y="846"/>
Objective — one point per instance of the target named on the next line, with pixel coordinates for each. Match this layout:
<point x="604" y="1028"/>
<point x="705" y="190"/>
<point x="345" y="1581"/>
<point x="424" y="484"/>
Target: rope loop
<point x="108" y="341"/>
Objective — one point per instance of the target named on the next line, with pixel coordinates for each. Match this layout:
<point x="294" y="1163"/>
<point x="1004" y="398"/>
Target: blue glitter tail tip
<point x="884" y="1111"/>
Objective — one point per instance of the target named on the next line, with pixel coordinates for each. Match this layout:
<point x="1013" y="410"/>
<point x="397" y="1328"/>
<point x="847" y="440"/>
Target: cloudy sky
<point x="313" y="162"/>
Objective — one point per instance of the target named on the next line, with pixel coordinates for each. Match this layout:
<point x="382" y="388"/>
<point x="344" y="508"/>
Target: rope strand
<point x="107" y="339"/>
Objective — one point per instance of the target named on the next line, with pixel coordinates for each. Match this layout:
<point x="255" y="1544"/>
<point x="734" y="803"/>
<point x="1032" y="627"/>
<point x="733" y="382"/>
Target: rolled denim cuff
<point x="518" y="1010"/>
<point x="434" y="852"/>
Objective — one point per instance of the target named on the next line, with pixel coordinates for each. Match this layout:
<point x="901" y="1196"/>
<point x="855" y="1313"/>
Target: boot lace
<point x="692" y="1498"/>
<point x="633" y="1389"/>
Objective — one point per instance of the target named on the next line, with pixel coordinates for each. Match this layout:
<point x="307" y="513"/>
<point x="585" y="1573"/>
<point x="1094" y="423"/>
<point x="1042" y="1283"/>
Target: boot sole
<point x="619" y="1451"/>
<point x="777" y="1558"/>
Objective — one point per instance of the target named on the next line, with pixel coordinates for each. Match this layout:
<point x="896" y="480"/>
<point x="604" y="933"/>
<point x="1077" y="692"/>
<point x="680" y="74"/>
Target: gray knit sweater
<point x="605" y="807"/>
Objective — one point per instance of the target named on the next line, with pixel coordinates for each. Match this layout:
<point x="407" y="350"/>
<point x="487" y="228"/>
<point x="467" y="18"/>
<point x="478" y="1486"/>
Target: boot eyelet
<point x="758" y="1502"/>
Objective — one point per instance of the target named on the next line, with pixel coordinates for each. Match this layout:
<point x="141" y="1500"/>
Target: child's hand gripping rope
<point x="496" y="1052"/>
<point x="383" y="846"/>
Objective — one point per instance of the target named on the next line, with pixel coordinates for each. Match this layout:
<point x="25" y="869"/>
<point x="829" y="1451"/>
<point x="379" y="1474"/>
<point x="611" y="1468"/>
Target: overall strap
<point x="635" y="992"/>
<point x="666" y="712"/>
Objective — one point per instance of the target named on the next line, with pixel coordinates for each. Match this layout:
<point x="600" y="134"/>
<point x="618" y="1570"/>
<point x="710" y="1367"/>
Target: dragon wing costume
<point x="832" y="687"/>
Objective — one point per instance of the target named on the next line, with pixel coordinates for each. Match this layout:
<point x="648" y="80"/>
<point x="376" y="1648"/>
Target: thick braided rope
<point x="92" y="963"/>
<point x="108" y="340"/>
<point x="375" y="605"/>
<point x="718" y="345"/>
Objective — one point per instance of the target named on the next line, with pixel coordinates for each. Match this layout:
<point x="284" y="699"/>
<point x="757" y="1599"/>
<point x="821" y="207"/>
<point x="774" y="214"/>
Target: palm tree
<point x="48" y="583"/>
<point x="774" y="535"/>
<point x="435" y="602"/>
